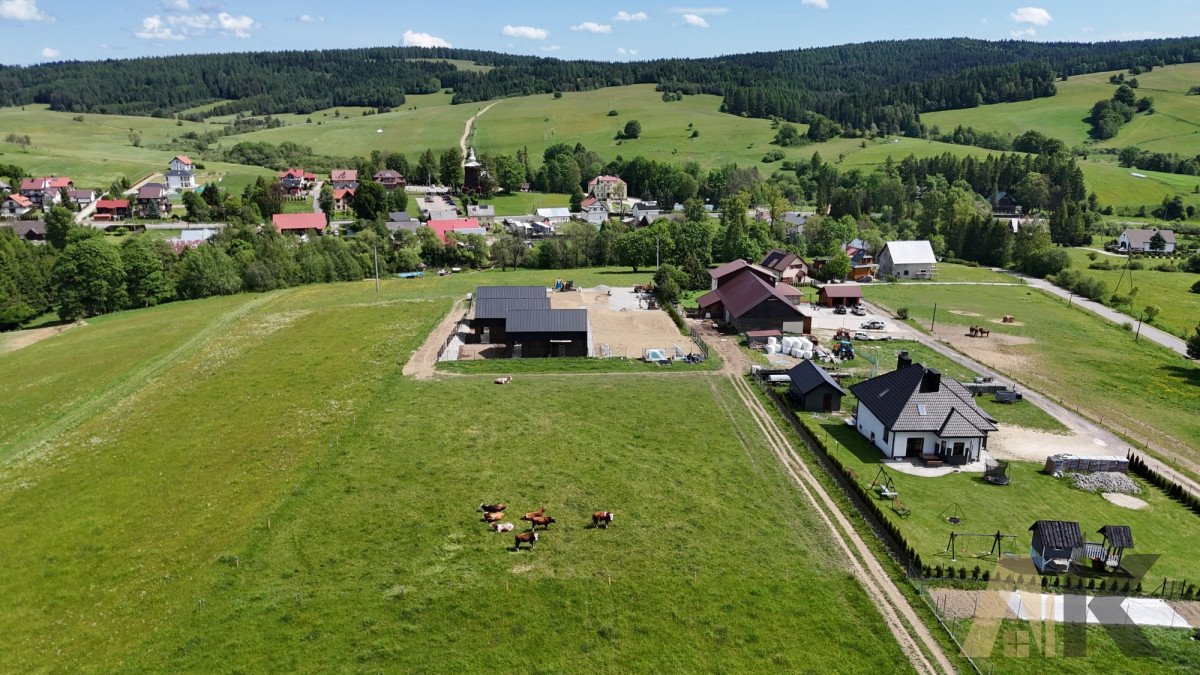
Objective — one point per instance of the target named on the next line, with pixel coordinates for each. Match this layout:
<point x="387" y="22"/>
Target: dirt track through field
<point x="466" y="135"/>
<point x="918" y="643"/>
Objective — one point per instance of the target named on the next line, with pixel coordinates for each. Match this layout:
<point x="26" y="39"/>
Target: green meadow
<point x="249" y="483"/>
<point x="1169" y="291"/>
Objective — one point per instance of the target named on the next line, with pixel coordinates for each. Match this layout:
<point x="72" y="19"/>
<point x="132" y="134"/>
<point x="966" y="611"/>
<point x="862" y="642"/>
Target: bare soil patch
<point x="627" y="332"/>
<point x="1126" y="501"/>
<point x="1000" y="350"/>
<point x="1031" y="445"/>
<point x="964" y="313"/>
<point x="23" y="338"/>
<point x="1188" y="609"/>
<point x="1000" y="322"/>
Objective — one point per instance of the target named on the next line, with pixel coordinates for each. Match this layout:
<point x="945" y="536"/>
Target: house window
<point x="905" y="272"/>
<point x="886" y="434"/>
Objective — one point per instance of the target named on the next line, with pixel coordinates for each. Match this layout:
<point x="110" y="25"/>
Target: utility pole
<point x="1138" y="334"/>
<point x="934" y="321"/>
<point x="1070" y="298"/>
<point x="375" y="249"/>
<point x="656" y="263"/>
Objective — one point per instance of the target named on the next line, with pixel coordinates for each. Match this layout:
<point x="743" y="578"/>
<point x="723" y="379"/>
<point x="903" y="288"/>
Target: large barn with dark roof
<point x="521" y="318"/>
<point x="749" y="298"/>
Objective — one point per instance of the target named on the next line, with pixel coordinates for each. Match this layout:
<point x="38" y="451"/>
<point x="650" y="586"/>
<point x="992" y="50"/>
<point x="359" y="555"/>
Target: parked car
<point x="872" y="325"/>
<point x="859" y="310"/>
<point x="859" y="335"/>
<point x="840" y="309"/>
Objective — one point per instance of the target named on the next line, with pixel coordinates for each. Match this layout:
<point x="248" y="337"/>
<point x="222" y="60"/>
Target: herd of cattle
<point x="494" y="513"/>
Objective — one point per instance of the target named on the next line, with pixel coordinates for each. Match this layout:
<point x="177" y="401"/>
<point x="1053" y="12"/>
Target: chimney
<point x="903" y="360"/>
<point x="931" y="381"/>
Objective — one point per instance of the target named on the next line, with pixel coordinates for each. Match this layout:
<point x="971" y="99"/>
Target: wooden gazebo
<point x="1117" y="538"/>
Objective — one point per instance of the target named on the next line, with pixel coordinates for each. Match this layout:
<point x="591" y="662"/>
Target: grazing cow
<point x="493" y="517"/>
<point x="532" y="514"/>
<point x="491" y="508"/>
<point x="502" y="527"/>
<point x="602" y="517"/>
<point x="524" y="538"/>
<point x="544" y="521"/>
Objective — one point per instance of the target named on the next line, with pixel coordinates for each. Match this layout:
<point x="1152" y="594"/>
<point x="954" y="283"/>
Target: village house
<point x="907" y="260"/>
<point x="862" y="263"/>
<point x="913" y="412"/>
<point x="459" y="226"/>
<point x="296" y="182"/>
<point x="605" y="188"/>
<point x="152" y="201"/>
<point x="45" y="191"/>
<point x="787" y="267"/>
<point x="556" y="216"/>
<point x="593" y="211"/>
<point x="111" y="209"/>
<point x="299" y="223"/>
<point x="181" y="173"/>
<point x="645" y="213"/>
<point x="29" y="230"/>
<point x="750" y="300"/>
<point x="15" y="206"/>
<point x="343" y="179"/>
<point x="1003" y="205"/>
<point x="82" y="197"/>
<point x="813" y="389"/>
<point x="484" y="213"/>
<point x="400" y="220"/>
<point x="1140" y="241"/>
<point x="343" y="199"/>
<point x="389" y="179"/>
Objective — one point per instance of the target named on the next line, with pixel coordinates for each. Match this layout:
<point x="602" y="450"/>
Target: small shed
<point x="840" y="294"/>
<point x="814" y="389"/>
<point x="1056" y="545"/>
<point x="760" y="337"/>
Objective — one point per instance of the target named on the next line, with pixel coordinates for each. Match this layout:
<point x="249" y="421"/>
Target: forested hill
<point x="881" y="84"/>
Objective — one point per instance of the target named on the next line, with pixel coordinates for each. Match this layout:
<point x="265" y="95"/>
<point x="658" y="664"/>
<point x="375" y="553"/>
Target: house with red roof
<point x="608" y="187"/>
<point x="344" y="179"/>
<point x="299" y="223"/>
<point x="832" y="295"/>
<point x="747" y="301"/>
<point x="296" y="182"/>
<point x="111" y="209"/>
<point x="343" y="199"/>
<point x="730" y="270"/>
<point x="15" y="206"/>
<point x="181" y="173"/>
<point x="459" y="226"/>
<point x="44" y="191"/>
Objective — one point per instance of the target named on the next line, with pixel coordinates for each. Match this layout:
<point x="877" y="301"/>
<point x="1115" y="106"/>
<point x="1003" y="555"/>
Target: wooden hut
<point x="1117" y="538"/>
<point x="1056" y="544"/>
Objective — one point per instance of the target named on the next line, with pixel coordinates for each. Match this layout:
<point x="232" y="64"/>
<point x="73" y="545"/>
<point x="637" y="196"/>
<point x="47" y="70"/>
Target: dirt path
<point x="914" y="638"/>
<point x="24" y="338"/>
<point x="462" y="142"/>
<point x="422" y="365"/>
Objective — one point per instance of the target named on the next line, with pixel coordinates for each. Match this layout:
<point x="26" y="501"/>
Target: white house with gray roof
<point x="1138" y="241"/>
<point x="914" y="411"/>
<point x="907" y="260"/>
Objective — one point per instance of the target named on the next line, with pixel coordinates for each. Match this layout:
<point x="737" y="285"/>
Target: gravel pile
<point x="1105" y="482"/>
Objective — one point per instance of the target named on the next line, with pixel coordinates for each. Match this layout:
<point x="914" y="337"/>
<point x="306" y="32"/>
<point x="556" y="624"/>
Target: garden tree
<point x="450" y="168"/>
<point x="788" y="135"/>
<point x="325" y="201"/>
<point x="1151" y="313"/>
<point x="633" y="129"/>
<point x="505" y="249"/>
<point x="1029" y="238"/>
<point x="508" y="171"/>
<point x="197" y="208"/>
<point x="576" y="204"/>
<point x="397" y="200"/>
<point x="694" y="211"/>
<point x="668" y="282"/>
<point x="692" y="239"/>
<point x="59" y="222"/>
<point x="580" y="239"/>
<point x="1033" y="192"/>
<point x="1157" y="241"/>
<point x="427" y="168"/>
<point x="1193" y="344"/>
<point x="89" y="279"/>
<point x="1067" y="225"/>
<point x="558" y="174"/>
<point x="635" y="249"/>
<point x="826" y="235"/>
<point x="1045" y="262"/>
<point x="147" y="264"/>
<point x="266" y="195"/>
<point x="370" y="200"/>
<point x="205" y="271"/>
<point x="1172" y="208"/>
<point x="838" y="266"/>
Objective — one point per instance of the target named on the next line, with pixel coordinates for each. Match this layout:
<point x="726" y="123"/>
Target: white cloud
<point x="626" y="52"/>
<point x="308" y="18"/>
<point x="196" y="22"/>
<point x="1031" y="15"/>
<point x="413" y="39"/>
<point x="1086" y="29"/>
<point x="701" y="11"/>
<point x="551" y="48"/>
<point x="237" y="26"/>
<point x="592" y="27"/>
<point x="22" y="10"/>
<point x="50" y="53"/>
<point x="631" y="16"/>
<point x="154" y="28"/>
<point x="1023" y="34"/>
<point x="178" y="5"/>
<point x="820" y="4"/>
<point x="695" y="20"/>
<point x="525" y="32"/>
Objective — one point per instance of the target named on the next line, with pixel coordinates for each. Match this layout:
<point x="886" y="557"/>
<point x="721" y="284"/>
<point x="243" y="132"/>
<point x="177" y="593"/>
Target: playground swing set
<point x="998" y="547"/>
<point x="886" y="487"/>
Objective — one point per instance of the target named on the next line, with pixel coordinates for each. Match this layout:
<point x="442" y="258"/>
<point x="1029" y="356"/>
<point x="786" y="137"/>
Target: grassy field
<point x="1171" y="291"/>
<point x="1069" y="354"/>
<point x="255" y="486"/>
<point x="523" y="203"/>
<point x="1164" y="527"/>
<point x="1175" y="127"/>
<point x="966" y="273"/>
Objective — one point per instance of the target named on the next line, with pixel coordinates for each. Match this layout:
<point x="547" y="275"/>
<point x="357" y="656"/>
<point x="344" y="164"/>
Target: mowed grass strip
<point x="1169" y="291"/>
<point x="378" y="557"/>
<point x="1090" y="364"/>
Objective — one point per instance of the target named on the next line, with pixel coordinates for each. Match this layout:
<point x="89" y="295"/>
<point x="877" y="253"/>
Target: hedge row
<point x="1174" y="490"/>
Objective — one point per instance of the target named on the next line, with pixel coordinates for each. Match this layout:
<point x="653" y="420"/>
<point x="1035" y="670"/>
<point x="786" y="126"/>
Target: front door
<point x="827" y="402"/>
<point x="915" y="447"/>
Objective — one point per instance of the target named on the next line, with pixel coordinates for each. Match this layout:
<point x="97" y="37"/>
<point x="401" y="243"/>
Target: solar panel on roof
<point x="921" y="409"/>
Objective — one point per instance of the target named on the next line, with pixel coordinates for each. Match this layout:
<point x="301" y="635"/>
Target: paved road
<point x="1149" y="332"/>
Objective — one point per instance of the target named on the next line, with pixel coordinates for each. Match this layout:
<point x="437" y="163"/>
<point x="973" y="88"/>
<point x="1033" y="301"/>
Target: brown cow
<point x="524" y="538"/>
<point x="604" y="517"/>
<point x="493" y="517"/>
<point x="532" y="514"/>
<point x="544" y="521"/>
<point x="491" y="508"/>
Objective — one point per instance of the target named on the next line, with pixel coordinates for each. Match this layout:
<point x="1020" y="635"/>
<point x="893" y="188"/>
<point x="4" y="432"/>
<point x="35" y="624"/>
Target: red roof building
<point x="459" y="225"/>
<point x="749" y="302"/>
<point x="298" y="222"/>
<point x="840" y="294"/>
<point x="342" y="199"/>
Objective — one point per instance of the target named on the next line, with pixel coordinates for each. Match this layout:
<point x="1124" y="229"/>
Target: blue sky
<point x="33" y="31"/>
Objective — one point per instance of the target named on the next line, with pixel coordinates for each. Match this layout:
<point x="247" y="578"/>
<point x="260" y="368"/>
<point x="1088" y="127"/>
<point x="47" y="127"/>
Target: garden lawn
<point x="967" y="273"/>
<point x="526" y="203"/>
<point x="1072" y="355"/>
<point x="1165" y="527"/>
<point x="273" y="494"/>
<point x="1170" y="291"/>
<point x="1107" y="649"/>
